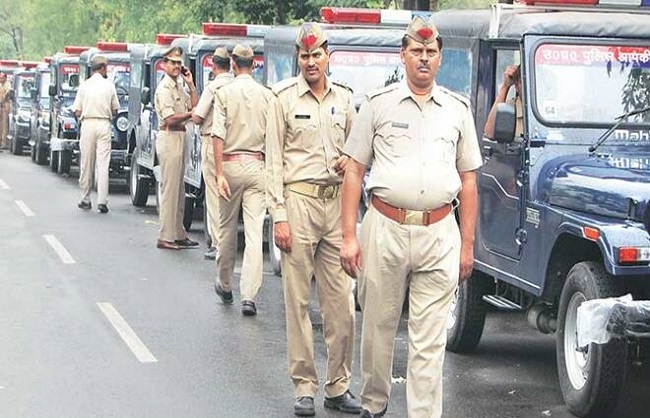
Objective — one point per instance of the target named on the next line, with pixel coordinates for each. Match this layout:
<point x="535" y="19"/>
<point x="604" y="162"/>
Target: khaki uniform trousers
<point x="426" y="260"/>
<point x="316" y="243"/>
<point x="247" y="183"/>
<point x="208" y="168"/>
<point x="170" y="148"/>
<point x="95" y="153"/>
<point x="5" y="110"/>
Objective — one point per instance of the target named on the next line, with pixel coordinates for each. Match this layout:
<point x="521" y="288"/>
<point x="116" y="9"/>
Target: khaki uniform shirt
<point x="305" y="137"/>
<point x="5" y="88"/>
<point x="519" y="112"/>
<point x="96" y="98"/>
<point x="240" y="112"/>
<point x="205" y="107"/>
<point x="416" y="153"/>
<point x="169" y="100"/>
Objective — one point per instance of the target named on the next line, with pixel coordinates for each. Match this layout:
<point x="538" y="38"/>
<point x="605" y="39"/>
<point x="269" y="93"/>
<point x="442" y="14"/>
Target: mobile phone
<point x="184" y="70"/>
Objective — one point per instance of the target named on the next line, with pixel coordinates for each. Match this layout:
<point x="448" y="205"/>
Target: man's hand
<point x="340" y="165"/>
<point x="466" y="262"/>
<point x="510" y="75"/>
<point x="282" y="235"/>
<point x="351" y="257"/>
<point x="187" y="76"/>
<point x="224" y="188"/>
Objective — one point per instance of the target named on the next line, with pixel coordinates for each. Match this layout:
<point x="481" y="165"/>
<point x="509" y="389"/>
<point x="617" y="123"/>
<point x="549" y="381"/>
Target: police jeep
<point x="21" y="106"/>
<point x="564" y="214"/>
<point x="63" y="128"/>
<point x="199" y="54"/>
<point x="363" y="57"/>
<point x="147" y="70"/>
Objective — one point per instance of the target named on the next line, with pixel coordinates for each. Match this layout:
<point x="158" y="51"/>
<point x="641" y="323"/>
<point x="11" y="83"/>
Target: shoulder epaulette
<point x="284" y="84"/>
<point x="343" y="86"/>
<point x="383" y="90"/>
<point x="464" y="100"/>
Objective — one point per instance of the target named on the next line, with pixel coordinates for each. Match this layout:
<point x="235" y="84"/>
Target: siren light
<point x="234" y="29"/>
<point x="74" y="50"/>
<point x="350" y="15"/>
<point x="113" y="46"/>
<point x="167" y="38"/>
<point x="29" y="64"/>
<point x="9" y="63"/>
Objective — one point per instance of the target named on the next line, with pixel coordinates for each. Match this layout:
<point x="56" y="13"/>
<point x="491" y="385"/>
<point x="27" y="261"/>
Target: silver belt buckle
<point x="326" y="192"/>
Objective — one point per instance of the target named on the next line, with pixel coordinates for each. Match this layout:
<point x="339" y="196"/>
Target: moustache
<point x="424" y="65"/>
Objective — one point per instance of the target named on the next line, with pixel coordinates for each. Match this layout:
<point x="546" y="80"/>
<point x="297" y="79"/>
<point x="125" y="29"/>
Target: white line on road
<point x="3" y="185"/>
<point x="24" y="208"/>
<point x="56" y="245"/>
<point x="129" y="336"/>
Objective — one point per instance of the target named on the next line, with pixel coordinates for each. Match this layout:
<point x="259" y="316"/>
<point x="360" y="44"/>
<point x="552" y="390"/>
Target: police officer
<point x="511" y="77"/>
<point x="308" y="124"/>
<point x="5" y="109"/>
<point x="173" y="106"/>
<point x="203" y="116"/>
<point x="424" y="151"/>
<point x="239" y="134"/>
<point x="96" y="105"/>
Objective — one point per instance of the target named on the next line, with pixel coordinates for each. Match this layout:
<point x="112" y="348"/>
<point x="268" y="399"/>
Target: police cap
<point x="310" y="37"/>
<point x="175" y="53"/>
<point x="422" y="31"/>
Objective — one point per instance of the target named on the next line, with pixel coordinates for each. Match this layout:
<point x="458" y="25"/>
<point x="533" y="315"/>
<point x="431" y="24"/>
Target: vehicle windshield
<point x="119" y="74"/>
<point x="65" y="71"/>
<point x="591" y="84"/>
<point x="25" y="85"/>
<point x="207" y="75"/>
<point x="364" y="71"/>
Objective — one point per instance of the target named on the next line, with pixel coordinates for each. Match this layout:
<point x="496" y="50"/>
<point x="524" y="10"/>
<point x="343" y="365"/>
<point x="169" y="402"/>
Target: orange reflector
<point x="628" y="255"/>
<point x="591" y="233"/>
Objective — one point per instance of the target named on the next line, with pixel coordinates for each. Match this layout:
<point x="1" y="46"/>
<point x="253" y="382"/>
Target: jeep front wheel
<point x="590" y="377"/>
<point x="467" y="314"/>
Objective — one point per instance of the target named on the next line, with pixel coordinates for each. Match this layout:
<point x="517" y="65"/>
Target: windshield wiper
<point x="621" y="119"/>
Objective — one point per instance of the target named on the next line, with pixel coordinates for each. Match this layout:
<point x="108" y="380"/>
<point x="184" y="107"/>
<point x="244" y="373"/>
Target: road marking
<point x="24" y="208"/>
<point x="129" y="336"/>
<point x="56" y="245"/>
<point x="3" y="185"/>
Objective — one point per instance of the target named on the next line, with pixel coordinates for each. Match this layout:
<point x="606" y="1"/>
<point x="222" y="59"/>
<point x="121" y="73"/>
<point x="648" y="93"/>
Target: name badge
<point x="303" y="116"/>
<point x="400" y="125"/>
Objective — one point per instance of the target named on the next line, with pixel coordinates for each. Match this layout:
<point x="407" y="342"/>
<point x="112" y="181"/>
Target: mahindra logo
<point x="632" y="135"/>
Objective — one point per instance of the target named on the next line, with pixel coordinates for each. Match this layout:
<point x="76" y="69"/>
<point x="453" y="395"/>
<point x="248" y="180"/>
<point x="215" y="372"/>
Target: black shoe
<point x="304" y="406"/>
<point x="366" y="414"/>
<point x="211" y="254"/>
<point x="346" y="403"/>
<point x="248" y="308"/>
<point x="186" y="243"/>
<point x="84" y="205"/>
<point x="102" y="208"/>
<point x="226" y="297"/>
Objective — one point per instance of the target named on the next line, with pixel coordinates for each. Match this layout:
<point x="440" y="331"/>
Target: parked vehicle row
<point x="564" y="205"/>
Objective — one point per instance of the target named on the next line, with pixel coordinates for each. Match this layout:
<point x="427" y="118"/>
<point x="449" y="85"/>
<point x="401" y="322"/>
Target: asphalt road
<point x="69" y="280"/>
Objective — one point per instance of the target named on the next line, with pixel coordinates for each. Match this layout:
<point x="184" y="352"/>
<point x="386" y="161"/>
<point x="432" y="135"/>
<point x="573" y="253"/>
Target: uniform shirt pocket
<point x="441" y="146"/>
<point x="302" y="130"/>
<point x="339" y="123"/>
<point x="398" y="139"/>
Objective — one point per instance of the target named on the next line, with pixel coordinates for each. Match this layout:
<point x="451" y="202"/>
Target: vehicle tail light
<point x="628" y="255"/>
<point x="591" y="233"/>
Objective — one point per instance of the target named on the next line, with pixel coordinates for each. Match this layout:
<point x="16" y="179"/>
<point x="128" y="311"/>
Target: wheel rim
<point x="577" y="362"/>
<point x="452" y="317"/>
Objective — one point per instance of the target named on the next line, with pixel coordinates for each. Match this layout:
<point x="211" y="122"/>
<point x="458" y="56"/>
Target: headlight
<point x="122" y="123"/>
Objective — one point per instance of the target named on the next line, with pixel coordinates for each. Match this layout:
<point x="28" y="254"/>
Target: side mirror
<point x="51" y="90"/>
<point x="146" y="96"/>
<point x="505" y="123"/>
<point x="74" y="80"/>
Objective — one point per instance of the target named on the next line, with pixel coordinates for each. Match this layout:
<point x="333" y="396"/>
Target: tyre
<point x="138" y="185"/>
<point x="16" y="144"/>
<point x="41" y="157"/>
<point x="65" y="160"/>
<point x="274" y="251"/>
<point x="467" y="314"/>
<point x="590" y="378"/>
<point x="54" y="161"/>
<point x="32" y="152"/>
